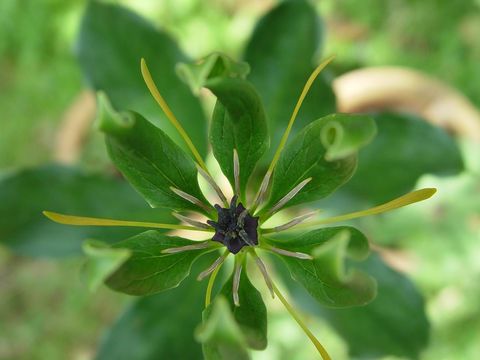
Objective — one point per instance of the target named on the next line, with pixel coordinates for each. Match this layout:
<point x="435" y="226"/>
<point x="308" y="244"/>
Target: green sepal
<point x="238" y="122"/>
<point x="211" y="66"/>
<point x="251" y="315"/>
<point x="160" y="326"/>
<point x="148" y="270"/>
<point x="149" y="159"/>
<point x="102" y="261"/>
<point x="220" y="335"/>
<point x="111" y="41"/>
<point x="325" y="151"/>
<point x="327" y="277"/>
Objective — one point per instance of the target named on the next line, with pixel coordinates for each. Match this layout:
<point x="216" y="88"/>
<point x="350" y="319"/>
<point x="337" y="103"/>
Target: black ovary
<point x="235" y="227"/>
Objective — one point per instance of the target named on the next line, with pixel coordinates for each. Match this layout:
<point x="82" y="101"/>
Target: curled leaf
<point x="102" y="261"/>
<point x="327" y="277"/>
<point x="212" y="66"/>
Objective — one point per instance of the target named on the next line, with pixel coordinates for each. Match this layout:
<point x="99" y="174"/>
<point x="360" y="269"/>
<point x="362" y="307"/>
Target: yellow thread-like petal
<point x="90" y="221"/>
<point x="263" y="188"/>
<point x="322" y="351"/>
<point x="404" y="200"/>
<point x="147" y="77"/>
<point x="303" y="94"/>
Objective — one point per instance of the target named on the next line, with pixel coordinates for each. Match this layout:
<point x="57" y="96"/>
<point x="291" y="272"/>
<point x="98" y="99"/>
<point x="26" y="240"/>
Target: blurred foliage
<point x="437" y="242"/>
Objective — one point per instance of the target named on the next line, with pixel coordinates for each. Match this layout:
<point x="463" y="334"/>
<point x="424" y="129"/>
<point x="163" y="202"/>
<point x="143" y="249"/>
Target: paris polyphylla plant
<point x="318" y="160"/>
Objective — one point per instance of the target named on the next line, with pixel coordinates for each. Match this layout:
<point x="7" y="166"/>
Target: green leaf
<point x="26" y="193"/>
<point x="102" y="261"/>
<point x="397" y="317"/>
<point x="305" y="157"/>
<point x="150" y="161"/>
<point x="220" y="334"/>
<point x="159" y="326"/>
<point x="239" y="123"/>
<point x="214" y="65"/>
<point x="111" y="42"/>
<point x="251" y="315"/>
<point x="281" y="54"/>
<point x="148" y="270"/>
<point x="326" y="277"/>
<point x="405" y="148"/>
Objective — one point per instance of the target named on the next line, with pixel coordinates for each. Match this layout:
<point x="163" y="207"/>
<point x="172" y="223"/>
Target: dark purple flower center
<point x="235" y="227"/>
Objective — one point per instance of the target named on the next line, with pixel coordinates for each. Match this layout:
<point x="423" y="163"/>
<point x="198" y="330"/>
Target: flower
<point x="237" y="227"/>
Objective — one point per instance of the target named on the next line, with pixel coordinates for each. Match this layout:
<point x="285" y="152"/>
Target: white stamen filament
<point x="179" y="249"/>
<point x="287" y="197"/>
<point x="263" y="270"/>
<point x="236" y="171"/>
<point x="236" y="283"/>
<point x="192" y="222"/>
<point x="212" y="267"/>
<point x="294" y="254"/>
<point x="295" y="221"/>
<point x="261" y="192"/>
<point x="190" y="198"/>
<point x="213" y="184"/>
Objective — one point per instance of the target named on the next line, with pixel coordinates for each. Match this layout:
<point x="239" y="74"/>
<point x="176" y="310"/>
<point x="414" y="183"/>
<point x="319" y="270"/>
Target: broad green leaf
<point x="159" y="326"/>
<point x="239" y="123"/>
<point x="405" y="148"/>
<point x="220" y="334"/>
<point x="251" y="315"/>
<point x="305" y="157"/>
<point x="396" y="317"/>
<point x="281" y="54"/>
<point x="102" y="261"/>
<point x="26" y="193"/>
<point x="111" y="42"/>
<point x="148" y="270"/>
<point x="150" y="161"/>
<point x="326" y="277"/>
<point x="214" y="65"/>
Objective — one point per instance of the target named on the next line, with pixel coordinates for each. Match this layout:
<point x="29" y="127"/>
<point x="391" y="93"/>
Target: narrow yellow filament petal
<point x="303" y="94"/>
<point x="404" y="200"/>
<point x="147" y="77"/>
<point x="90" y="221"/>
<point x="263" y="188"/>
<point x="211" y="281"/>
<point x="322" y="351"/>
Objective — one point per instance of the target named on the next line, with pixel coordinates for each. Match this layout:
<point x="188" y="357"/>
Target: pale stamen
<point x="213" y="184"/>
<point x="287" y="198"/>
<point x="295" y="221"/>
<point x="262" y="191"/>
<point x="192" y="222"/>
<point x="90" y="221"/>
<point x="294" y="254"/>
<point x="190" y="198"/>
<point x="236" y="283"/>
<point x="147" y="77"/>
<point x="180" y="249"/>
<point x="236" y="171"/>
<point x="263" y="269"/>
<point x="212" y="267"/>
